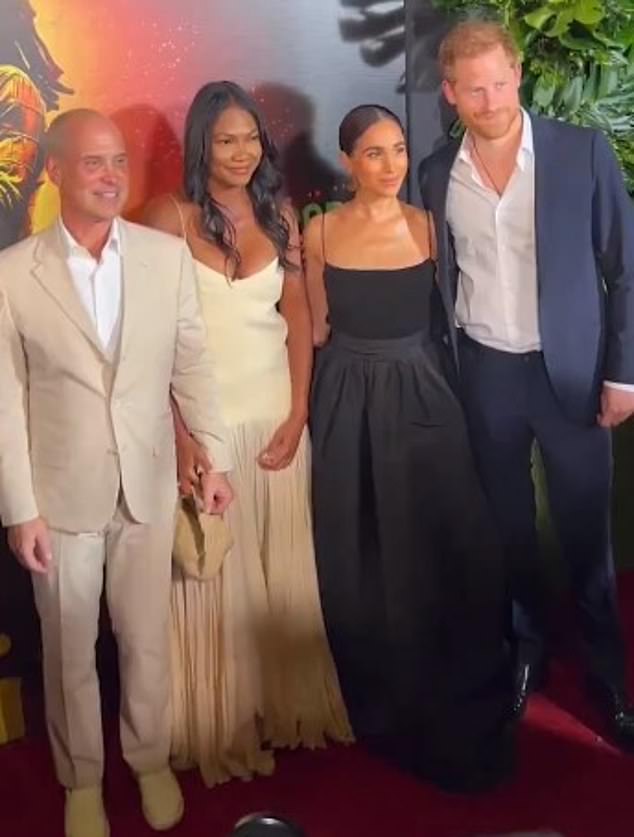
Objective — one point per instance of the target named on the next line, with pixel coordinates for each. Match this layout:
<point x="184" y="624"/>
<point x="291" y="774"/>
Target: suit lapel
<point x="437" y="193"/>
<point x="441" y="174"/>
<point x="134" y="296"/>
<point x="543" y="203"/>
<point x="51" y="271"/>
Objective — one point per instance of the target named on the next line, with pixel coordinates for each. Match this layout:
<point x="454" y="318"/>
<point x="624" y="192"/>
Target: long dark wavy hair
<point x="263" y="188"/>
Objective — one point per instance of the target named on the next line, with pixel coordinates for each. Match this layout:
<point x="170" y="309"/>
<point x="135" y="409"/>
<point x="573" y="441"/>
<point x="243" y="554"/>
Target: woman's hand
<point x="321" y="333"/>
<point x="192" y="461"/>
<point x="281" y="449"/>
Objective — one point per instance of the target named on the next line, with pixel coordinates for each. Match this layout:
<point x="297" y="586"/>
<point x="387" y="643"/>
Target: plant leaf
<point x="591" y="84"/>
<point x="571" y="97"/>
<point x="585" y="43"/>
<point x="589" y="12"/>
<point x="608" y="81"/>
<point x="543" y="92"/>
<point x="561" y="24"/>
<point x="540" y="17"/>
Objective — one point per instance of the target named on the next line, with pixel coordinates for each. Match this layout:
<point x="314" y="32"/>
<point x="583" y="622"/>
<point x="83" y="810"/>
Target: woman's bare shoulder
<point x="315" y="231"/>
<point x="168" y="212"/>
<point x="414" y="214"/>
<point x="421" y="225"/>
<point x="326" y="221"/>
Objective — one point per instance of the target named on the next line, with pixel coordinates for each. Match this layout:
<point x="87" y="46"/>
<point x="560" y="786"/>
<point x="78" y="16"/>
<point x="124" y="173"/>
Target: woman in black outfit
<point x="410" y="571"/>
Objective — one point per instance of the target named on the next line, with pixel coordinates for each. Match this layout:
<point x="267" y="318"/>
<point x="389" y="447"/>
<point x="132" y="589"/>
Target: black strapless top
<point x="380" y="304"/>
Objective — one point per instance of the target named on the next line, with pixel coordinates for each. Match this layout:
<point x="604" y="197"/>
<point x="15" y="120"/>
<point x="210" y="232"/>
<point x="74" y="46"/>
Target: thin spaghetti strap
<point x="323" y="236"/>
<point x="431" y="235"/>
<point x="180" y="215"/>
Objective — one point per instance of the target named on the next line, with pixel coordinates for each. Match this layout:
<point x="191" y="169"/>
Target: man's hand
<point x="30" y="542"/>
<point x="215" y="492"/>
<point x="192" y="460"/>
<point x="617" y="405"/>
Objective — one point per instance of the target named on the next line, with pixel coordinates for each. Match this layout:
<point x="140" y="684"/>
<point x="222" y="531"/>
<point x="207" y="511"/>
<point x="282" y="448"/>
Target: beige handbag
<point x="201" y="540"/>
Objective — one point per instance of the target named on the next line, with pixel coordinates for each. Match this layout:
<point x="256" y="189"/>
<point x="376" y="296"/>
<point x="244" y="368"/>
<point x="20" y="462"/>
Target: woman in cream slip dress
<point x="252" y="669"/>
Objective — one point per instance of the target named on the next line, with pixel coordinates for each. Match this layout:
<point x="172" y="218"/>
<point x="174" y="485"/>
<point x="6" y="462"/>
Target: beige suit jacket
<point x="76" y="427"/>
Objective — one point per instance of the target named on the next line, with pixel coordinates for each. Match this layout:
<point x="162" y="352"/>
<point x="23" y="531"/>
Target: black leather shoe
<point x="529" y="677"/>
<point x="616" y="708"/>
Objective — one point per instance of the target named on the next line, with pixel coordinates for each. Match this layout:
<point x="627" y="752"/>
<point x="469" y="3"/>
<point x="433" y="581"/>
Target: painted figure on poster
<point x="30" y="87"/>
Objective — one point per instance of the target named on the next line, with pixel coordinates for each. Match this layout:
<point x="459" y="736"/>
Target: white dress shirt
<point x="494" y="240"/>
<point x="98" y="283"/>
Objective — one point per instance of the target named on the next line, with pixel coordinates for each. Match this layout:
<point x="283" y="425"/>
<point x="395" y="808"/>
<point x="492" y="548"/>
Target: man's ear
<point x="54" y="170"/>
<point x="447" y="90"/>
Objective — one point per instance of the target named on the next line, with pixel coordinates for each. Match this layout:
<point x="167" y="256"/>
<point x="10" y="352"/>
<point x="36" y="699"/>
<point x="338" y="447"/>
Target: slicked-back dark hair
<point x="357" y="121"/>
<point x="263" y="188"/>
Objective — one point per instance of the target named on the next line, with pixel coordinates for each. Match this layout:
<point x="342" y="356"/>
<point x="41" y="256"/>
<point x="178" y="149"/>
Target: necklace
<point x="496" y="188"/>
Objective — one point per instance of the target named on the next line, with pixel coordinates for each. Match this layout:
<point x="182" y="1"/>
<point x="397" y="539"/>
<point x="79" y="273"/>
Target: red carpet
<point x="568" y="780"/>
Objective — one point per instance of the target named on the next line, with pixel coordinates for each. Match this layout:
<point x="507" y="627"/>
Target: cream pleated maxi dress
<point x="252" y="668"/>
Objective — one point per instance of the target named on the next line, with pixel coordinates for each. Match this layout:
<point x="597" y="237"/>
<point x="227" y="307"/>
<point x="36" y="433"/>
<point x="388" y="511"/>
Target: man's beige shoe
<point x="161" y="799"/>
<point x="84" y="814"/>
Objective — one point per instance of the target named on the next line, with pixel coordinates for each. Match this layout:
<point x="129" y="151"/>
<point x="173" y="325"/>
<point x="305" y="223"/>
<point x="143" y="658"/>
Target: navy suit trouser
<point x="510" y="404"/>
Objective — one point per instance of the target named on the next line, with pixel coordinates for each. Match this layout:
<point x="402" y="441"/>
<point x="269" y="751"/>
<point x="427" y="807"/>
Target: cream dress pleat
<point x="251" y="667"/>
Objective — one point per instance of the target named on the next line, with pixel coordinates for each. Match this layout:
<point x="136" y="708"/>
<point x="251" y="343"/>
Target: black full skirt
<point x="411" y="574"/>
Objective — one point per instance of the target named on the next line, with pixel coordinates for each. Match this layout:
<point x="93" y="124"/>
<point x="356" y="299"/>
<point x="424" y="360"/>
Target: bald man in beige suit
<point x="99" y="323"/>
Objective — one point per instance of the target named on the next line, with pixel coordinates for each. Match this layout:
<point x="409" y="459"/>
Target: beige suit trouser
<point x="135" y="561"/>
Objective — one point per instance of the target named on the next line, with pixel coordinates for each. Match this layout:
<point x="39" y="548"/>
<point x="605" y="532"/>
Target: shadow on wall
<point x="311" y="182"/>
<point x="379" y="31"/>
<point x="428" y="28"/>
<point x="155" y="153"/>
<point x="413" y="28"/>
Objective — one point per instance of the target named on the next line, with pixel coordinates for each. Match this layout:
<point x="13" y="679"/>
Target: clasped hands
<point x="196" y="478"/>
<point x="30" y="541"/>
<point x="194" y="468"/>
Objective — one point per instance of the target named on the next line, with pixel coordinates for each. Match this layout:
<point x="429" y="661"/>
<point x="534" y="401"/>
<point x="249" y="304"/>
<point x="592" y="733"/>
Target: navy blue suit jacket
<point x="584" y="227"/>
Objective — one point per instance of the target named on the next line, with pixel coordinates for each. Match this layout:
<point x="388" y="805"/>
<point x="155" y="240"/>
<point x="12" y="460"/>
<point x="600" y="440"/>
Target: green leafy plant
<point x="578" y="58"/>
